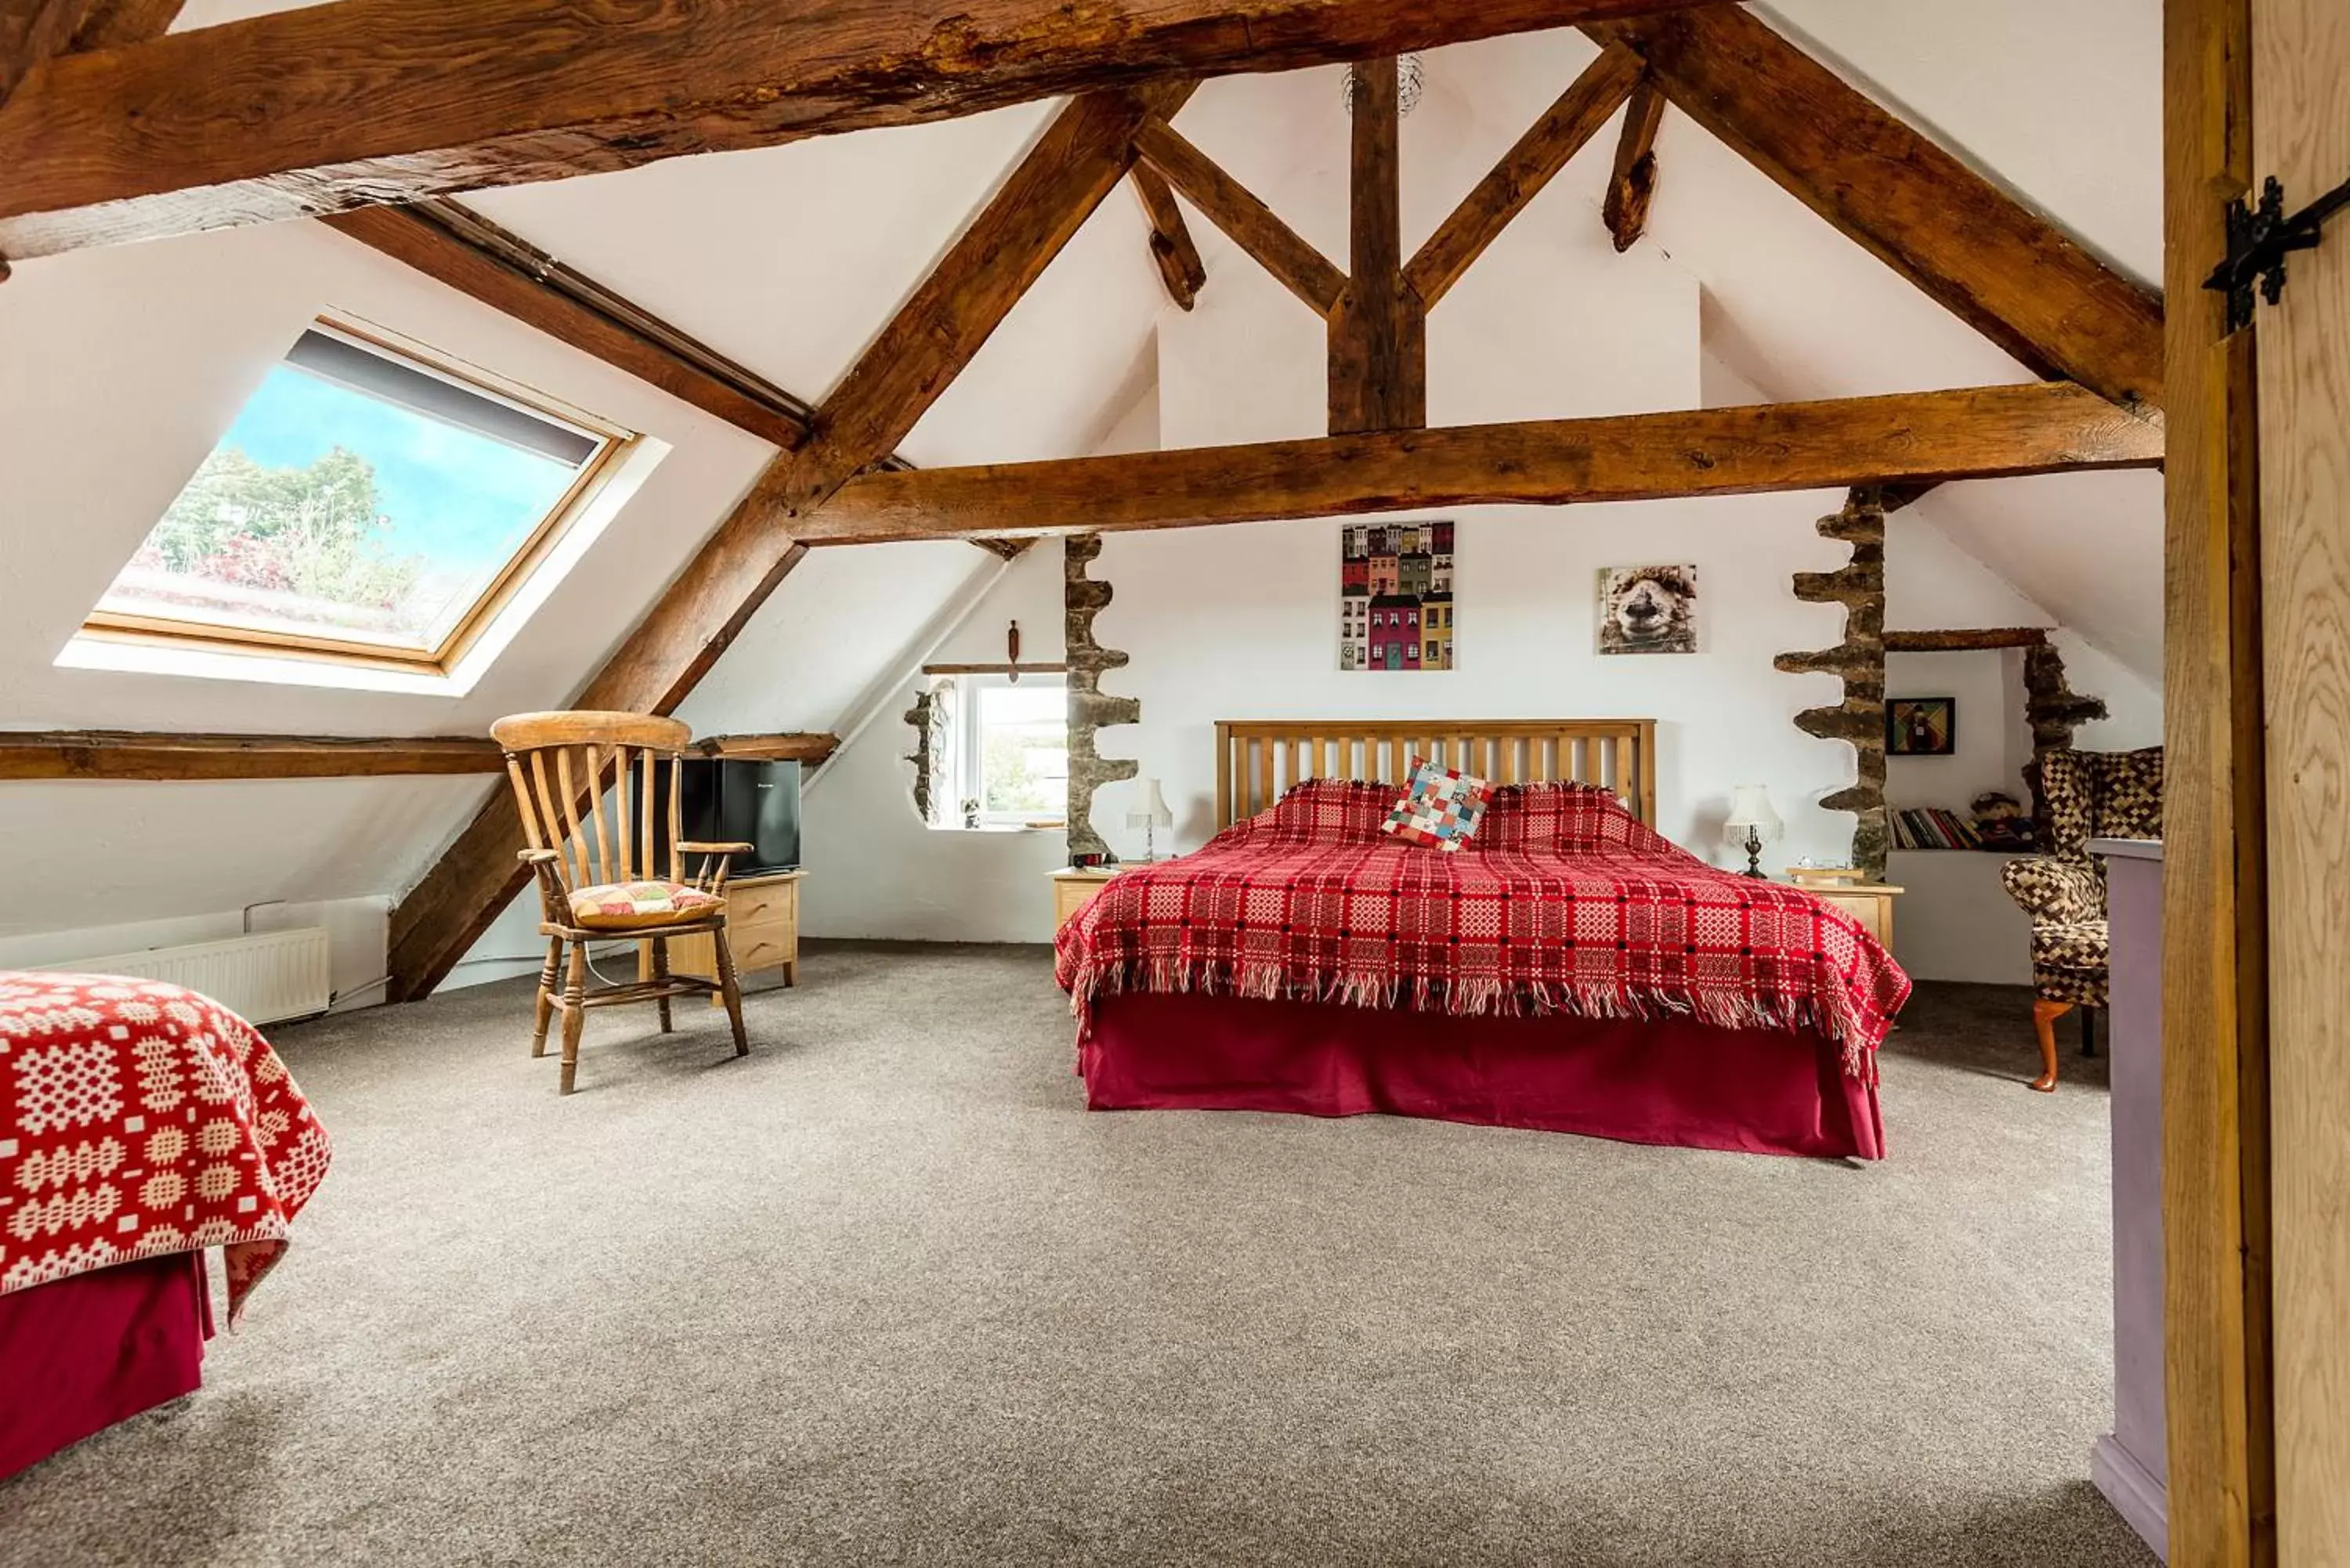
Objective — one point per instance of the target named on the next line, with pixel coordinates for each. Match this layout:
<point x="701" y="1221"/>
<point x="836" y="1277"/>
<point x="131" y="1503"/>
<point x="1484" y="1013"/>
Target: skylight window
<point x="369" y="502"/>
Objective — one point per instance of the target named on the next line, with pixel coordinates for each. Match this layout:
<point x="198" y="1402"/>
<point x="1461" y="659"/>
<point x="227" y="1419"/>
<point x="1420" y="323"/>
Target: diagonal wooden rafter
<point x="1171" y="250"/>
<point x="2003" y="269"/>
<point x="1632" y="187"/>
<point x="1548" y="144"/>
<point x="320" y="109"/>
<point x="1245" y="221"/>
<point x="457" y="246"/>
<point x="1072" y="166"/>
<point x="111" y="24"/>
<point x="1980" y="432"/>
<point x="33" y="31"/>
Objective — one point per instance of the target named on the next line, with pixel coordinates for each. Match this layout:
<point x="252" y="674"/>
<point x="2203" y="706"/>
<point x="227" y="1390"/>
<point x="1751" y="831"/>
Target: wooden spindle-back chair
<point x="598" y="864"/>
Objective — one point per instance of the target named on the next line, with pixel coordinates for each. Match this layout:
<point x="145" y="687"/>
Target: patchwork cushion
<point x="622" y="906"/>
<point x="1440" y="808"/>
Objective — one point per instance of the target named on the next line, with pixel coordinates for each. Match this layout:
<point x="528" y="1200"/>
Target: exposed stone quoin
<point x="1090" y="708"/>
<point x="1859" y="662"/>
<point x="924" y="718"/>
<point x="2053" y="710"/>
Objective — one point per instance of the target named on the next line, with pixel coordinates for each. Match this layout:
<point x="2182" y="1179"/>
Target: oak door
<point x="2301" y="134"/>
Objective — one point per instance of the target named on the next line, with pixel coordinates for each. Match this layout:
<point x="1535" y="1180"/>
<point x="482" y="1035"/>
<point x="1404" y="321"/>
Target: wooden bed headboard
<point x="1258" y="759"/>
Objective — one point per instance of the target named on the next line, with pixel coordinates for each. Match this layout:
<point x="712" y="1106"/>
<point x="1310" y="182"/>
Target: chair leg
<point x="661" y="977"/>
<point x="2045" y="1014"/>
<point x="550" y="974"/>
<point x="575" y="1011"/>
<point x="729" y="989"/>
<point x="2088" y="1031"/>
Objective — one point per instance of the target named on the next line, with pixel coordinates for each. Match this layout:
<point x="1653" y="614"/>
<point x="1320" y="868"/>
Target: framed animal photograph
<point x="1648" y="610"/>
<point x="1922" y="726"/>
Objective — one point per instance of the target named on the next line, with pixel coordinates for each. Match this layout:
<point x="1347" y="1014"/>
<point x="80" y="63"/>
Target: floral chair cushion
<point x="625" y="906"/>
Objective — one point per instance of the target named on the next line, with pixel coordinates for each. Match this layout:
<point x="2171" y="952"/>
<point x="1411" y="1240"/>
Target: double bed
<point x="1567" y="969"/>
<point x="141" y="1124"/>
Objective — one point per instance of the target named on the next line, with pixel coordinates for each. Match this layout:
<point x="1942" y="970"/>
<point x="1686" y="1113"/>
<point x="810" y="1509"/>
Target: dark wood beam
<point x="111" y="24"/>
<point x="131" y="754"/>
<point x="1171" y="250"/>
<point x="34" y="31"/>
<point x="1632" y="188"/>
<point x="457" y="246"/>
<point x="1379" y="328"/>
<point x="324" y="107"/>
<point x="1578" y="115"/>
<point x="1978" y="433"/>
<point x="1245" y="221"/>
<point x="2001" y="268"/>
<point x="1966" y="641"/>
<point x="810" y="747"/>
<point x="1078" y="161"/>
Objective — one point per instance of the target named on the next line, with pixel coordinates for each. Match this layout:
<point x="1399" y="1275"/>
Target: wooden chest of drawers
<point x="763" y="928"/>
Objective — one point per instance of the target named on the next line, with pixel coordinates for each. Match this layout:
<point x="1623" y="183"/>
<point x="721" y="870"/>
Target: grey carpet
<point x="883" y="1291"/>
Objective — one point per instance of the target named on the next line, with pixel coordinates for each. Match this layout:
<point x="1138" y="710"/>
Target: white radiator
<point x="263" y="976"/>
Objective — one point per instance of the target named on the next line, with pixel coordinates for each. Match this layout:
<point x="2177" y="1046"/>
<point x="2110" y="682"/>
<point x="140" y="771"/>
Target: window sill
<point x="999" y="827"/>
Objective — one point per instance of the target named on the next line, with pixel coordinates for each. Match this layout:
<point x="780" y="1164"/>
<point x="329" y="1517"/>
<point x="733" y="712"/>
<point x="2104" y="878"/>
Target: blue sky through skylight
<point x="461" y="499"/>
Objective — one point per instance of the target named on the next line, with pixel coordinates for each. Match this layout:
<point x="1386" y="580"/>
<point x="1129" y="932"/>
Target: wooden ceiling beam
<point x="1998" y="266"/>
<point x="1977" y="434"/>
<point x="1378" y="329"/>
<point x="1171" y="248"/>
<point x="1632" y="188"/>
<point x="457" y="246"/>
<point x="27" y="754"/>
<point x="1966" y="641"/>
<point x="1524" y="170"/>
<point x="320" y="109"/>
<point x="1245" y="221"/>
<point x="1082" y="156"/>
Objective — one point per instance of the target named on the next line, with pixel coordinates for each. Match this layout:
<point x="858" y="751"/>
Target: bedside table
<point x="762" y="931"/>
<point x="1074" y="888"/>
<point x="1870" y="903"/>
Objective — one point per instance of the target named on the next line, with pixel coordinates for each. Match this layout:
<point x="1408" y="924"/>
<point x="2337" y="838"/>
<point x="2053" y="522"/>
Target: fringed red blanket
<point x="139" y="1118"/>
<point x="1562" y="902"/>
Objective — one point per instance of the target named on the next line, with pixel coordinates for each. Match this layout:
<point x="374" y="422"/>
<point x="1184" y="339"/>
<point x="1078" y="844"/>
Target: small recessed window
<point x="996" y="752"/>
<point x="370" y="502"/>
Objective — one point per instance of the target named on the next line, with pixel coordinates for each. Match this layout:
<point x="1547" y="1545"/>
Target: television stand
<point x="763" y="931"/>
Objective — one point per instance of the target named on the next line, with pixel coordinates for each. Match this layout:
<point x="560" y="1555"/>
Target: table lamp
<point x="1150" y="814"/>
<point x="1751" y="825"/>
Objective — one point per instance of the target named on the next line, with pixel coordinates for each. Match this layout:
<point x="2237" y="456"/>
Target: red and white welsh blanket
<point x="139" y="1118"/>
<point x="1562" y="902"/>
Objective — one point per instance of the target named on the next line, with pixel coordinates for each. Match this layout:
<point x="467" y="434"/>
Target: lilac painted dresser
<point x="2131" y="1464"/>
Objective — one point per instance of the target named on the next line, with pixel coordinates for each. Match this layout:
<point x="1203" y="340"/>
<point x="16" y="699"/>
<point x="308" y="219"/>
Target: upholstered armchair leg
<point x="729" y="989"/>
<point x="575" y="1011"/>
<point x="661" y="977"/>
<point x="2045" y="1014"/>
<point x="2088" y="1031"/>
<point x="550" y="974"/>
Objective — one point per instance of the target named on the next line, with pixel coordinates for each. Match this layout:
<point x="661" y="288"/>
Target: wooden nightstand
<point x="1870" y="903"/>
<point x="763" y="928"/>
<point x="1074" y="888"/>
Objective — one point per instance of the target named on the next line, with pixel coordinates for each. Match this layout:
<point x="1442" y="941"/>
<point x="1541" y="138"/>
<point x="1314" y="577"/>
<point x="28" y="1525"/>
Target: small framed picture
<point x="1922" y="726"/>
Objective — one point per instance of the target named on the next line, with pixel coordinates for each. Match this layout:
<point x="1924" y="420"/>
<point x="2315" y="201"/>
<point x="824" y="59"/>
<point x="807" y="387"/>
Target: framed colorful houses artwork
<point x="1395" y="595"/>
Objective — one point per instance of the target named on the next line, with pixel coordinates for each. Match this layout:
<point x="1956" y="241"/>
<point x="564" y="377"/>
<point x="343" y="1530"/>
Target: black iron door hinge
<point x="2259" y="240"/>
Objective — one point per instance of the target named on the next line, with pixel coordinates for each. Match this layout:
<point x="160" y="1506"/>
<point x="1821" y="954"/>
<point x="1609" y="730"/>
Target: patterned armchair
<point x="2086" y="794"/>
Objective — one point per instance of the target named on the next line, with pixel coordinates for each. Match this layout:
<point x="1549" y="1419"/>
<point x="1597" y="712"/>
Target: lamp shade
<point x="1751" y="812"/>
<point x="1150" y="810"/>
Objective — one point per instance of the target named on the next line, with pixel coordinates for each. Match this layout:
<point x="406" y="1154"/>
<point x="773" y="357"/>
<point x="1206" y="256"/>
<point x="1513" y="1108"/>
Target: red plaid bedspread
<point x="138" y="1118"/>
<point x="1562" y="903"/>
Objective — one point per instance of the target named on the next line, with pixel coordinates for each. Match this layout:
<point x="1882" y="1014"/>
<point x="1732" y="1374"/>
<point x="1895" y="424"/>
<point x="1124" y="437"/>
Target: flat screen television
<point x="727" y="800"/>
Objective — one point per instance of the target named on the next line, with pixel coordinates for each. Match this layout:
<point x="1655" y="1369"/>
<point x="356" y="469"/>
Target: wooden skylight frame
<point x="612" y="445"/>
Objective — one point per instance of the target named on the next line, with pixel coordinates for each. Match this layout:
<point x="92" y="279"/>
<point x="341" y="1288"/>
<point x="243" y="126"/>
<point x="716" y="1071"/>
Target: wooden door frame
<point x="2216" y="1314"/>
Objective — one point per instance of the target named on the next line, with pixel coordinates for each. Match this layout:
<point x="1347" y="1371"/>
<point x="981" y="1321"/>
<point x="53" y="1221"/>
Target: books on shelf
<point x="1931" y="828"/>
